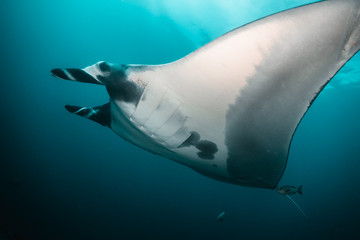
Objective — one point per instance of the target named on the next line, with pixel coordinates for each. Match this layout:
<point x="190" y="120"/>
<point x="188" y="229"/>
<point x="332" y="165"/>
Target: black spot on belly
<point x="207" y="149"/>
<point x="192" y="140"/>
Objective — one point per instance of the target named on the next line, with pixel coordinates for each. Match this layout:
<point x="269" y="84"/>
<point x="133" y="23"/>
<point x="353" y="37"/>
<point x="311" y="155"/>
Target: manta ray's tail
<point x="298" y="207"/>
<point x="99" y="114"/>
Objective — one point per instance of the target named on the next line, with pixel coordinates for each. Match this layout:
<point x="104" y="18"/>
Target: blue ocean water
<point x="63" y="177"/>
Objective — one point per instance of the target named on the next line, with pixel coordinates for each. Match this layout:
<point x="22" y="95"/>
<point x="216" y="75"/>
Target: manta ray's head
<point x="121" y="88"/>
<point x="113" y="76"/>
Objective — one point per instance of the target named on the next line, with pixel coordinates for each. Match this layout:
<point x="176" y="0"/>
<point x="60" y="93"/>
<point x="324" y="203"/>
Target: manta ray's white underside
<point x="229" y="109"/>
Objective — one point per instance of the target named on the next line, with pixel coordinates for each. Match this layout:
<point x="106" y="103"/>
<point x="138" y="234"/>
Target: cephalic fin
<point x="99" y="114"/>
<point x="74" y="74"/>
<point x="299" y="190"/>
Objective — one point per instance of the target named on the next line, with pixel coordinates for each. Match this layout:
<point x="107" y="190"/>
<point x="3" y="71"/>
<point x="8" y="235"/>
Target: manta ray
<point x="229" y="109"/>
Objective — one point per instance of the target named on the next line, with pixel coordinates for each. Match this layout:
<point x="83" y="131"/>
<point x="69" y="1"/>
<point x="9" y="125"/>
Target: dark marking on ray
<point x="100" y="114"/>
<point x="205" y="156"/>
<point x="101" y="79"/>
<point x="103" y="115"/>
<point x="104" y="67"/>
<point x="207" y="149"/>
<point x="118" y="85"/>
<point x="58" y="72"/>
<point x="257" y="128"/>
<point x="192" y="140"/>
<point x="72" y="108"/>
<point x="215" y="166"/>
<point x="81" y="76"/>
<point x="128" y="92"/>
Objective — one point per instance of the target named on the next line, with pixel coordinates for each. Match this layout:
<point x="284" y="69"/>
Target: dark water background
<point x="63" y="177"/>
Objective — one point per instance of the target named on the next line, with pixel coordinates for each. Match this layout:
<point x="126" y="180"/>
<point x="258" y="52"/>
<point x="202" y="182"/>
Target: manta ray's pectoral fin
<point x="99" y="114"/>
<point x="74" y="74"/>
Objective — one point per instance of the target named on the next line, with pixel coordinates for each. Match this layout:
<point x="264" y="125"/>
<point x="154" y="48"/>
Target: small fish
<point x="220" y="217"/>
<point x="289" y="190"/>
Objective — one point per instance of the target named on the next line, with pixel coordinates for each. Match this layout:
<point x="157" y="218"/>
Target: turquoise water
<point x="63" y="177"/>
